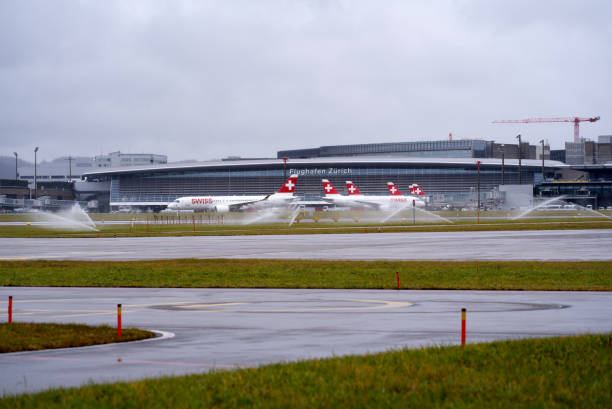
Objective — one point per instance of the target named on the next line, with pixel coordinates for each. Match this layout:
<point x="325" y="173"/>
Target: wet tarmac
<point x="593" y="244"/>
<point x="230" y="328"/>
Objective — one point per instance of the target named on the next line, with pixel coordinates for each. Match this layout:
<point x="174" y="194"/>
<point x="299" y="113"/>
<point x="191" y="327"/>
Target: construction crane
<point x="575" y="120"/>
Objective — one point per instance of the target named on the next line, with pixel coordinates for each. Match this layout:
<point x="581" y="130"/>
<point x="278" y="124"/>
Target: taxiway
<point x="592" y="244"/>
<point x="231" y="328"/>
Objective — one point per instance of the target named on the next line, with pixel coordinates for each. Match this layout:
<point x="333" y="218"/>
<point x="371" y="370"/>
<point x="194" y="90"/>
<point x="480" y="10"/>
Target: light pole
<point x="69" y="159"/>
<point x="519" y="158"/>
<point x="35" y="193"/>
<point x="542" y="142"/>
<point x="478" y="211"/>
<point x="502" y="164"/>
<point x="16" y="174"/>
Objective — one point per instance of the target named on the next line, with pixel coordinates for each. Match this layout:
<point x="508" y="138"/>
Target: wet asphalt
<point x="594" y="244"/>
<point x="209" y="329"/>
<point x="206" y="329"/>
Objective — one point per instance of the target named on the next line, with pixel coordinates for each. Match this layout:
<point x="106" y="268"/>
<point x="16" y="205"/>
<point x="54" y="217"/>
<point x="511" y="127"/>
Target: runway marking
<point x="222" y="304"/>
<point x="380" y="304"/>
<point x="164" y="335"/>
<point x="18" y="301"/>
<point x="89" y="300"/>
<point x="77" y="312"/>
<point x="151" y="305"/>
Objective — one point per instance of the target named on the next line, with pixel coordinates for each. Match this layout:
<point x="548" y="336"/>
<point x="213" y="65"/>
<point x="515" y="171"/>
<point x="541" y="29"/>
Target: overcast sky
<point x="208" y="79"/>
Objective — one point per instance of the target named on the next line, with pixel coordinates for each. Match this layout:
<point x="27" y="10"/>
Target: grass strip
<point x="264" y="273"/>
<point x="569" y="372"/>
<point x="186" y="229"/>
<point x="27" y="336"/>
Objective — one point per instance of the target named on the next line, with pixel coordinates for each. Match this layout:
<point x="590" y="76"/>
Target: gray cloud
<point x="211" y="79"/>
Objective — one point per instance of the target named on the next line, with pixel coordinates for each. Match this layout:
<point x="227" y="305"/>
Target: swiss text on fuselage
<point x="201" y="200"/>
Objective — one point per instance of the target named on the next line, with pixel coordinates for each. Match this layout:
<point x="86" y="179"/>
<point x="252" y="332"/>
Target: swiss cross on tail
<point x="394" y="191"/>
<point x="328" y="187"/>
<point x="352" y="189"/>
<point x="289" y="185"/>
<point x="416" y="190"/>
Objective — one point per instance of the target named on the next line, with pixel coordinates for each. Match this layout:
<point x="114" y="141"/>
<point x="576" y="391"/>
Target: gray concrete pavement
<point x="229" y="328"/>
<point x="483" y="245"/>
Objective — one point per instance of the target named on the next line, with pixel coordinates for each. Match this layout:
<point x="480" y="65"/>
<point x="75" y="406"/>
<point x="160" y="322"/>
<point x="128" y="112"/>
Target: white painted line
<point x="164" y="335"/>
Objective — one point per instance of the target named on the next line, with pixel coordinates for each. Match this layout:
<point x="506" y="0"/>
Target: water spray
<point x="72" y="219"/>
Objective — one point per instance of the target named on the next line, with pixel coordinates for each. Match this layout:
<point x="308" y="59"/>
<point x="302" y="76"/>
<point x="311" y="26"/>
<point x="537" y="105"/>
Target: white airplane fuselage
<point x="377" y="202"/>
<point x="229" y="203"/>
<point x="282" y="197"/>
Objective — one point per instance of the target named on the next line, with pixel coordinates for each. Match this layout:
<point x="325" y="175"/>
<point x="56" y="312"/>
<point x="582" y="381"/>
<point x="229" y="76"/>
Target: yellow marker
<point x="28" y="223"/>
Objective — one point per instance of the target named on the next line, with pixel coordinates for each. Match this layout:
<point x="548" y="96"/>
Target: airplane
<point x="284" y="196"/>
<point x="356" y="199"/>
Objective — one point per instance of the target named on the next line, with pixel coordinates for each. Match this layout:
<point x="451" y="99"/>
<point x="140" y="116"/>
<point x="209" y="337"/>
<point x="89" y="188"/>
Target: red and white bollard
<point x="10" y="309"/>
<point x="463" y="326"/>
<point x="118" y="320"/>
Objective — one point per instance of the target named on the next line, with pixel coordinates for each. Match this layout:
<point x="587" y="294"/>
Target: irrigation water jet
<point x="260" y="215"/>
<point x="421" y="214"/>
<point x="561" y="201"/>
<point x="294" y="215"/>
<point x="74" y="219"/>
<point x="586" y="209"/>
<point x="540" y="205"/>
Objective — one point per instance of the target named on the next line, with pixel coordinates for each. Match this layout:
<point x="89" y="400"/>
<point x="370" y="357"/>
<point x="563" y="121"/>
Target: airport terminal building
<point x="448" y="180"/>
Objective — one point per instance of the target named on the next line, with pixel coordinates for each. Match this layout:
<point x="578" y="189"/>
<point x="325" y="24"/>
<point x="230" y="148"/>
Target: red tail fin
<point x="416" y="190"/>
<point x="393" y="191"/>
<point x="328" y="187"/>
<point x="352" y="189"/>
<point x="289" y="186"/>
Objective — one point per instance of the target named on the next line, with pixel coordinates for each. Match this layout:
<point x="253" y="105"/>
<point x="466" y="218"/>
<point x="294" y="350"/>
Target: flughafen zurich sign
<point x="321" y="171"/>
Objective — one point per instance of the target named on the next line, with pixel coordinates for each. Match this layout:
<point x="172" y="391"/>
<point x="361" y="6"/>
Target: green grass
<point x="351" y="222"/>
<point x="569" y="372"/>
<point x="229" y="273"/>
<point x="20" y="336"/>
<point x="328" y="215"/>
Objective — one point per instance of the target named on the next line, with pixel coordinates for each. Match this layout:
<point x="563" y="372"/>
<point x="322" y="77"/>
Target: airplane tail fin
<point x="352" y="189"/>
<point x="289" y="185"/>
<point x="416" y="190"/>
<point x="329" y="188"/>
<point x="393" y="190"/>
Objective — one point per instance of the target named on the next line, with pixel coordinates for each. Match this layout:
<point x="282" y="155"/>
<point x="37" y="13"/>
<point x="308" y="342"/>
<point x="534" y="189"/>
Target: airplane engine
<point x="222" y="208"/>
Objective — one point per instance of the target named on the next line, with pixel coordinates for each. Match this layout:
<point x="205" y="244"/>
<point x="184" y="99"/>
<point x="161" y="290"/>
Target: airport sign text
<point x="321" y="171"/>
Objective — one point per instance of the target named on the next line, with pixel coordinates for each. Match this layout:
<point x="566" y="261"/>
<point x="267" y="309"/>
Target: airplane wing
<point x="372" y="205"/>
<point x="252" y="203"/>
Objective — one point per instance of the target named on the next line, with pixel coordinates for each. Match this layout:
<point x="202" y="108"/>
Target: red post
<point x="478" y="202"/>
<point x="397" y="276"/>
<point x="118" y="320"/>
<point x="463" y="326"/>
<point x="10" y="309"/>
